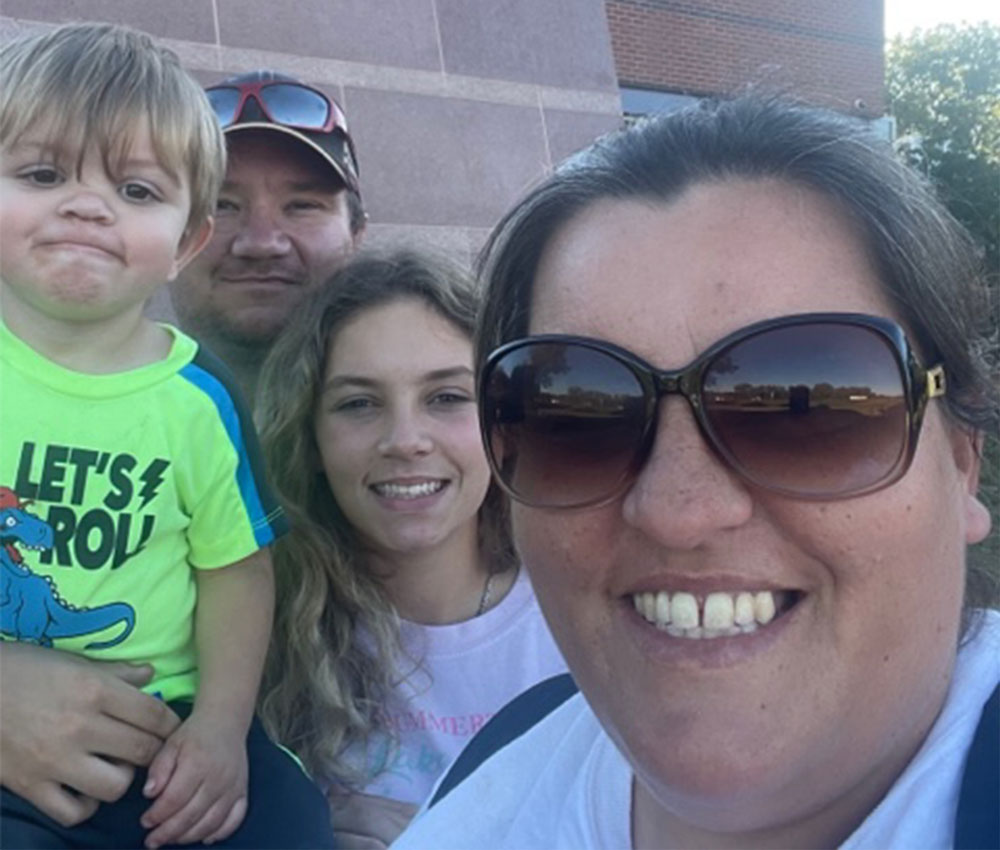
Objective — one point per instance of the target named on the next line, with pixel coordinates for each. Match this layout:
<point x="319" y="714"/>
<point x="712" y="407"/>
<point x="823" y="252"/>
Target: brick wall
<point x="829" y="52"/>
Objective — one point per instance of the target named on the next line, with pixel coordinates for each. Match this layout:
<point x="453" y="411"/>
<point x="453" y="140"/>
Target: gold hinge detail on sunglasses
<point x="935" y="382"/>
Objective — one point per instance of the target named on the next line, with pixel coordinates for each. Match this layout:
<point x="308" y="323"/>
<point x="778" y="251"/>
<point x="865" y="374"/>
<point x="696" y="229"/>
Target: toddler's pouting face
<point x="87" y="236"/>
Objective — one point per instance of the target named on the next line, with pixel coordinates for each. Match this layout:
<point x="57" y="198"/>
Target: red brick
<point x="830" y="53"/>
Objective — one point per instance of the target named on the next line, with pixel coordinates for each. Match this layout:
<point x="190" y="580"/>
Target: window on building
<point x="638" y="102"/>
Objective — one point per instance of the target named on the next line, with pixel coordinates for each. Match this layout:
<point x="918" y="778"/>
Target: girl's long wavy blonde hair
<point x="324" y="687"/>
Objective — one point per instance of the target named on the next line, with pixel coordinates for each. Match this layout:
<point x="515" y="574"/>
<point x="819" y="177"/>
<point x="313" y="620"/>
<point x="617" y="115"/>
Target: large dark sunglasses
<point x="287" y="103"/>
<point x="813" y="406"/>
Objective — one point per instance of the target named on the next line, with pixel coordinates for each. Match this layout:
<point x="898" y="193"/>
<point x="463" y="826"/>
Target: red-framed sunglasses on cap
<point x="290" y="104"/>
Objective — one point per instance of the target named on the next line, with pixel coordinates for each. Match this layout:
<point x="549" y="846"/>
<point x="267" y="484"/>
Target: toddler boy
<point x="134" y="518"/>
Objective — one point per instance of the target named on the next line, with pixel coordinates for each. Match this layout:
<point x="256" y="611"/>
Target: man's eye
<point x="41" y="176"/>
<point x="140" y="192"/>
<point x="226" y="206"/>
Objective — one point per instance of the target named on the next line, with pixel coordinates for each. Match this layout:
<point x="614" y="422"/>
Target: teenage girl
<point x="403" y="622"/>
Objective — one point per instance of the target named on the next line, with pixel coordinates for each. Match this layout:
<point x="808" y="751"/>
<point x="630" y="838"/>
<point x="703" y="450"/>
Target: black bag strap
<point x="510" y="722"/>
<point x="977" y="824"/>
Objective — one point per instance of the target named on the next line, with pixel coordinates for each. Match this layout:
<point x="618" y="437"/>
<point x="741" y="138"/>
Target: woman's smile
<point x="716" y="615"/>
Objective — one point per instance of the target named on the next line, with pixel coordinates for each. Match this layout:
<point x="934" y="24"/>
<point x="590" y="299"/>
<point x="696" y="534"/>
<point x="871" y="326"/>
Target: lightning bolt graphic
<point x="151" y="479"/>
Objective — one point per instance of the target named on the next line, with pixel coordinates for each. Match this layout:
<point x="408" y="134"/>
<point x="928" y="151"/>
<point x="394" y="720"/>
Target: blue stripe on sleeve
<point x="217" y="392"/>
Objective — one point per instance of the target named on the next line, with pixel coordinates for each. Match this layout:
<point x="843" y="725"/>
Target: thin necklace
<point x="484" y="600"/>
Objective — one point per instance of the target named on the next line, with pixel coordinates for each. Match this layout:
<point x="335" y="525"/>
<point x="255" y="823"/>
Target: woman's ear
<point x="967" y="448"/>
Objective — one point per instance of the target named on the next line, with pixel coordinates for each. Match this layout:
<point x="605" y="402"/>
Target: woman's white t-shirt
<point x="563" y="784"/>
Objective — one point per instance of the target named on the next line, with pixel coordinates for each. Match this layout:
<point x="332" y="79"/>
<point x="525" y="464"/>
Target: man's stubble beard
<point x="244" y="332"/>
<point x="249" y="337"/>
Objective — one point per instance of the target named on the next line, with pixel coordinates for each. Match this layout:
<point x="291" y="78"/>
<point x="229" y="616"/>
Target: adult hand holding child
<point x="72" y="738"/>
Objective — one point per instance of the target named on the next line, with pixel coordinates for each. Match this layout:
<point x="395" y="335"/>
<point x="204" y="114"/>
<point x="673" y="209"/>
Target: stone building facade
<point x="457" y="106"/>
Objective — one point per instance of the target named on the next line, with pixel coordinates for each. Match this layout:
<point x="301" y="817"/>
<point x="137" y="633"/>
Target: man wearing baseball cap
<point x="289" y="214"/>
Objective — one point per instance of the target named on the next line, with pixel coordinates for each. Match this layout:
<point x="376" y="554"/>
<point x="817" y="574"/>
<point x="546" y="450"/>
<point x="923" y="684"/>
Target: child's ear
<point x="191" y="244"/>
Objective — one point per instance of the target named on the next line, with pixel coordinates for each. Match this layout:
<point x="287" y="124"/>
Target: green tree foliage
<point x="943" y="86"/>
<point x="944" y="91"/>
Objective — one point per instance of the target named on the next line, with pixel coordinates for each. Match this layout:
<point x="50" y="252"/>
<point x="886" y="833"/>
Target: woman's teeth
<point x="721" y="614"/>
<point x="407" y="491"/>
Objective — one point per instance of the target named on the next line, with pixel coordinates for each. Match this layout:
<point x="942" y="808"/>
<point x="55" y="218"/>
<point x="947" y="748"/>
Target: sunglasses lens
<point x="224" y="102"/>
<point x="564" y="423"/>
<point x="816" y="410"/>
<point x="296" y="106"/>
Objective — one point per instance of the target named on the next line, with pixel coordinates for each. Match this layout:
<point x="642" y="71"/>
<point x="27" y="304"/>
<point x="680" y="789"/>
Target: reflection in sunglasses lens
<point x="223" y="102"/>
<point x="568" y="422"/>
<point x="815" y="409"/>
<point x="292" y="104"/>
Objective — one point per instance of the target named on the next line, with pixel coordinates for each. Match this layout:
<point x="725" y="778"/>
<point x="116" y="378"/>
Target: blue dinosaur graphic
<point x="31" y="608"/>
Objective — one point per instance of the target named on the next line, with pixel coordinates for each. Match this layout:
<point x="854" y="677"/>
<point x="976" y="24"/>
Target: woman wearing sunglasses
<point x="402" y="621"/>
<point x="732" y="383"/>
